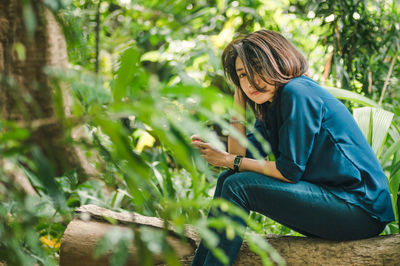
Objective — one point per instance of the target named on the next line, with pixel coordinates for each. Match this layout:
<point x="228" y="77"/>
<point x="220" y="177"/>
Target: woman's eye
<point x="242" y="75"/>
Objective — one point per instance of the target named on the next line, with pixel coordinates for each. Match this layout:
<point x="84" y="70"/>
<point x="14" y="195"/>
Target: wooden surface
<point x="81" y="236"/>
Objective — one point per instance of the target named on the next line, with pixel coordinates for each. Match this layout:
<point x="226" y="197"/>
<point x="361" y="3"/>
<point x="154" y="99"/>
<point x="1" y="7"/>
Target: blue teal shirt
<point x="314" y="138"/>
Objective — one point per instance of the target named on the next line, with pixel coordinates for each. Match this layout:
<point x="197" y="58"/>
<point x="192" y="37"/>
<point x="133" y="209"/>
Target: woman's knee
<point x="234" y="191"/>
<point x="222" y="177"/>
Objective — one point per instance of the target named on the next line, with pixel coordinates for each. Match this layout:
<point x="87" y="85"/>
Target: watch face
<point x="237" y="161"/>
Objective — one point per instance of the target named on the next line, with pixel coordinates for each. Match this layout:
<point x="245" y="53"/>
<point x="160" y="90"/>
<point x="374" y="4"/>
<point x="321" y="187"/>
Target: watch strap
<point x="236" y="162"/>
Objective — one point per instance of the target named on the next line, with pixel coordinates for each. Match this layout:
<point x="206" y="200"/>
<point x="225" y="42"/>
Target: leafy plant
<point x="159" y="80"/>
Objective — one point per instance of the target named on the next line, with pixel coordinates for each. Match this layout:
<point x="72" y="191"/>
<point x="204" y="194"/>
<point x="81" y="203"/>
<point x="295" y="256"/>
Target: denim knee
<point x="221" y="179"/>
<point x="233" y="191"/>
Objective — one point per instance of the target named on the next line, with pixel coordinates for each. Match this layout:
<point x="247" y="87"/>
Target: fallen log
<point x="82" y="234"/>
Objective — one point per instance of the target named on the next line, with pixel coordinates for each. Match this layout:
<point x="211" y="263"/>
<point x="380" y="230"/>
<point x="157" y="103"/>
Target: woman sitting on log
<point x="326" y="181"/>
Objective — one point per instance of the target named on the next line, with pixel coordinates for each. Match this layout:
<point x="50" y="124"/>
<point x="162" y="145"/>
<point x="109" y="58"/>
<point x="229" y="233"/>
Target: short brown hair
<point x="265" y="53"/>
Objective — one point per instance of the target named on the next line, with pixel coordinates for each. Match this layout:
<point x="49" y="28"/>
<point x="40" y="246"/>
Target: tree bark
<point x="80" y="238"/>
<point x="26" y="95"/>
<point x="83" y="233"/>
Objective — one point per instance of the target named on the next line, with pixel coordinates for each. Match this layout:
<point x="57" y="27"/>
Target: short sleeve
<point x="301" y="114"/>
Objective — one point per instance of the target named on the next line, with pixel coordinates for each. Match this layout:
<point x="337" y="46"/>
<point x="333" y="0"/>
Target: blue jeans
<point x="304" y="207"/>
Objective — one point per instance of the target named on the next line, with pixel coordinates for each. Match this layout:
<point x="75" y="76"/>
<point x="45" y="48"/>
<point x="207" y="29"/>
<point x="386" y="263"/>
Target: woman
<point x="326" y="181"/>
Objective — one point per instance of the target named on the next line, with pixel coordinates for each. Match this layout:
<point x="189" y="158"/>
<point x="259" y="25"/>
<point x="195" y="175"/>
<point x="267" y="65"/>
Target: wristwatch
<point x="236" y="162"/>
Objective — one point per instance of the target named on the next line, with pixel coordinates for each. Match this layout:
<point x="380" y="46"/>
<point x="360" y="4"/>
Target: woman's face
<point x="252" y="93"/>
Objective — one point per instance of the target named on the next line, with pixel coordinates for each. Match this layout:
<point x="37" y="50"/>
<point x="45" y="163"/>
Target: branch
<point x="387" y="78"/>
<point x="327" y="68"/>
<point x="97" y="36"/>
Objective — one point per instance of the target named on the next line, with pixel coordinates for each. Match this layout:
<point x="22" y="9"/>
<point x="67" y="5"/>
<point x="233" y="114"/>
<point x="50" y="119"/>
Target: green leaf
<point x="363" y="119"/>
<point x="46" y="174"/>
<point x="152" y="56"/>
<point x="168" y="184"/>
<point x="210" y="237"/>
<point x="394" y="180"/>
<point x="261" y="247"/>
<point x="394" y="169"/>
<point x="394" y="132"/>
<point x="29" y="17"/>
<point x="20" y="50"/>
<point x="130" y="77"/>
<point x="375" y="124"/>
<point x="134" y="168"/>
<point x="349" y="95"/>
<point x="221" y="4"/>
<point x="118" y="241"/>
<point x="381" y="121"/>
<point x="395" y="147"/>
<point x="14" y="134"/>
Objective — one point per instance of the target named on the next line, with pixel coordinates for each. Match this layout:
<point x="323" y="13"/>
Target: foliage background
<point x="145" y="75"/>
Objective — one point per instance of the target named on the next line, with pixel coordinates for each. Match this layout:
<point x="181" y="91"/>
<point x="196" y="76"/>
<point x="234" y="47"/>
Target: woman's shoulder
<point x="303" y="87"/>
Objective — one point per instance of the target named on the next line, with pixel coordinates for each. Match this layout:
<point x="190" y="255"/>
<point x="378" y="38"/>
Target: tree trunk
<point x="26" y="96"/>
<point x="80" y="238"/>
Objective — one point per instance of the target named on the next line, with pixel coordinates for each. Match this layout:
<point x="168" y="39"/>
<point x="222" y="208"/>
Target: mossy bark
<point x="26" y="95"/>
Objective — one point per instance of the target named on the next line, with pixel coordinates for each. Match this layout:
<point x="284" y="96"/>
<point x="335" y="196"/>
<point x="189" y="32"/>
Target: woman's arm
<point x="259" y="166"/>
<point x="234" y="146"/>
<point x="225" y="159"/>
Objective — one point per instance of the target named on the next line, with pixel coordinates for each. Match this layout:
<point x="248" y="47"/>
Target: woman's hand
<point x="238" y="98"/>
<point x="234" y="147"/>
<point x="223" y="159"/>
<point x="213" y="156"/>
